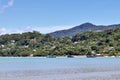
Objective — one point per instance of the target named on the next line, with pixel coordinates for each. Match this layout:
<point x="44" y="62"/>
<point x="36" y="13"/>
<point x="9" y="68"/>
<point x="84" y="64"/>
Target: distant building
<point x="26" y="46"/>
<point x="2" y="46"/>
<point x="12" y="41"/>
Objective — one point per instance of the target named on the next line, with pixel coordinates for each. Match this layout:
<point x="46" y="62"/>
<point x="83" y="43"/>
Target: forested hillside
<point x="36" y="44"/>
<point x="83" y="28"/>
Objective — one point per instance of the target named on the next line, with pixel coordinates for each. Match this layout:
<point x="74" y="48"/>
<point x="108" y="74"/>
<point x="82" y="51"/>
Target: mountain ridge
<point x="82" y="28"/>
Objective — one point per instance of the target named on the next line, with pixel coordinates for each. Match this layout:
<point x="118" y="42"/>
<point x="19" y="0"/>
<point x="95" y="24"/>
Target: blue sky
<point x="51" y="15"/>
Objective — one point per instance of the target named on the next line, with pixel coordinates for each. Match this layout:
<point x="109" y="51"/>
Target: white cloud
<point x="44" y="30"/>
<point x="49" y="29"/>
<point x="4" y="7"/>
<point x="22" y="29"/>
<point x="3" y="31"/>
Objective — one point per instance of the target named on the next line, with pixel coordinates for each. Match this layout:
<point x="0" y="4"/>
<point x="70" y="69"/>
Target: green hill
<point x="36" y="44"/>
<point x="83" y="28"/>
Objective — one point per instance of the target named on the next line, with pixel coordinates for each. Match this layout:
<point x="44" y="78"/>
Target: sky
<point x="45" y="16"/>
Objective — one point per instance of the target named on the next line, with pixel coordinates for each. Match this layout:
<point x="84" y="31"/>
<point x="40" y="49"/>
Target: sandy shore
<point x="61" y="74"/>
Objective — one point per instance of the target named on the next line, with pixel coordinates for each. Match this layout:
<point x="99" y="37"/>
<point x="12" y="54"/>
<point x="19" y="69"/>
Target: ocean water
<point x="16" y="63"/>
<point x="18" y="68"/>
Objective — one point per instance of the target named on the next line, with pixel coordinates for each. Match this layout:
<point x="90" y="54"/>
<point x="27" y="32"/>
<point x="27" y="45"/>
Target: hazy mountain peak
<point x="82" y="28"/>
<point x="87" y="24"/>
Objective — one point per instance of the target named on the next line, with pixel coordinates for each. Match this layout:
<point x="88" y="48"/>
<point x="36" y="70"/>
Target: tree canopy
<point x="36" y="44"/>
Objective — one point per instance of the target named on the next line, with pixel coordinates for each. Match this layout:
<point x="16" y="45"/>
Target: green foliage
<point x="36" y="44"/>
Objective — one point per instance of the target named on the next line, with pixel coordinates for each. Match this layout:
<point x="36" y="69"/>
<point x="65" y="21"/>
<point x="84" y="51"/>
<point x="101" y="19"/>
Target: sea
<point x="41" y="68"/>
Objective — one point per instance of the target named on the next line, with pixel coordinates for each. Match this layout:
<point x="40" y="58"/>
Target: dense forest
<point x="106" y="43"/>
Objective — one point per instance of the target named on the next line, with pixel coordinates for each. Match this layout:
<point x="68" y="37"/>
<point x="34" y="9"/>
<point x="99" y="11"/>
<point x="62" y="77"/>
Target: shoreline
<point x="83" y="56"/>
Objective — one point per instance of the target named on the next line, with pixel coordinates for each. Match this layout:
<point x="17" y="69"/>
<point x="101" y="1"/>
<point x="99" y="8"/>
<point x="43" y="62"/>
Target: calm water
<point x="11" y="64"/>
<point x="59" y="68"/>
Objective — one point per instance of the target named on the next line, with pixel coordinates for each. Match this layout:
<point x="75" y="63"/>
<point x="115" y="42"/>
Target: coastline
<point x="83" y="56"/>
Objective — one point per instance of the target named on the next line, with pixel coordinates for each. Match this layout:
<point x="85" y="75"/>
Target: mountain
<point x="82" y="28"/>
